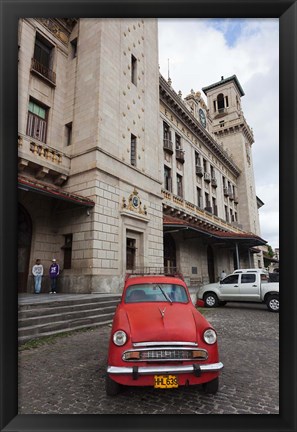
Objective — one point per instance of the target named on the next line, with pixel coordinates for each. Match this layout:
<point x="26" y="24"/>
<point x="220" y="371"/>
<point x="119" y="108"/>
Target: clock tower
<point x="232" y="131"/>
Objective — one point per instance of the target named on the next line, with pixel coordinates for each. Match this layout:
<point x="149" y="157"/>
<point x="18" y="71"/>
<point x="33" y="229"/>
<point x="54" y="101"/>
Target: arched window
<point x="221" y="102"/>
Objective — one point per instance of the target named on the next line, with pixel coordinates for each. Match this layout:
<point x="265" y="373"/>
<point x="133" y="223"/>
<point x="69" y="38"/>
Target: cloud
<point x="200" y="51"/>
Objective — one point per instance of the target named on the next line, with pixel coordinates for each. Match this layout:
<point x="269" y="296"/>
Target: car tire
<point x="211" y="387"/>
<point x="112" y="388"/>
<point x="211" y="300"/>
<point x="272" y="303"/>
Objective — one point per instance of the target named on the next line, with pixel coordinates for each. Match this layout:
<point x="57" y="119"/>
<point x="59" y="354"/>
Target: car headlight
<point x="210" y="336"/>
<point x="119" y="338"/>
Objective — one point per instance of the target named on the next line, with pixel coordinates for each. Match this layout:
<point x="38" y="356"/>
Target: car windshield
<point x="157" y="292"/>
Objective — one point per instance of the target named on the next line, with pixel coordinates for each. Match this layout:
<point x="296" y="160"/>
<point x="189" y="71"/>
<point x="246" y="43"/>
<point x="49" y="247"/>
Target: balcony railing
<point x="180" y="155"/>
<point x="226" y="191"/>
<point x="207" y="177"/>
<point x="214" y="182"/>
<point x="168" y="145"/>
<point x="43" y="70"/>
<point x="199" y="170"/>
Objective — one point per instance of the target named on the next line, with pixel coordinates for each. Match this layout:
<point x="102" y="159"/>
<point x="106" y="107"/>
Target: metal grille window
<point x="133" y="150"/>
<point x="42" y="52"/>
<point x="43" y="58"/>
<point x="37" y="121"/>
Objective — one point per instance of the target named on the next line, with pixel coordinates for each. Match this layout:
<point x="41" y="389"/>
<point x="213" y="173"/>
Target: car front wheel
<point x="112" y="388"/>
<point x="211" y="300"/>
<point x="211" y="387"/>
<point x="273" y="303"/>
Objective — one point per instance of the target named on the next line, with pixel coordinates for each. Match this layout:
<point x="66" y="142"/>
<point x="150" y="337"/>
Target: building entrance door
<point x="169" y="252"/>
<point x="24" y="247"/>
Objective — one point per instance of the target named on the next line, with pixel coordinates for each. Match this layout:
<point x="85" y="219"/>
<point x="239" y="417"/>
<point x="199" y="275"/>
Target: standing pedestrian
<point x="54" y="272"/>
<point x="223" y="275"/>
<point x="37" y="271"/>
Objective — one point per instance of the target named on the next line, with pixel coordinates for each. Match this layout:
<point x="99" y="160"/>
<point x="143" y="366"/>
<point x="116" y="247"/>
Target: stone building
<point x="116" y="170"/>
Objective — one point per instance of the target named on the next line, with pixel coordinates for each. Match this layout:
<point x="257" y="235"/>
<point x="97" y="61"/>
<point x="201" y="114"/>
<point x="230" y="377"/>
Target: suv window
<point x="248" y="278"/>
<point x="232" y="279"/>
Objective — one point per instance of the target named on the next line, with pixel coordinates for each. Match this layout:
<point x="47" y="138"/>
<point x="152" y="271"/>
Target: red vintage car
<point x="159" y="339"/>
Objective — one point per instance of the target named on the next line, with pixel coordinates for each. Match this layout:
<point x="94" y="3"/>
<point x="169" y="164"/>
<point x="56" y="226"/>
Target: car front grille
<point x="166" y="354"/>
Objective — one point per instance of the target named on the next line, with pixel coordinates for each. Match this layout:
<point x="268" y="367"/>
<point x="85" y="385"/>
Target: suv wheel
<point x="273" y="303"/>
<point x="211" y="300"/>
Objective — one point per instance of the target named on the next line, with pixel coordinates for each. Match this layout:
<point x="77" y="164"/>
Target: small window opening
<point x="133" y="150"/>
<point x="133" y="69"/>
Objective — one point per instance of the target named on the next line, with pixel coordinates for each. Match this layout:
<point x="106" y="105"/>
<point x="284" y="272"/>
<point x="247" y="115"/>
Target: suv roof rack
<point x="154" y="271"/>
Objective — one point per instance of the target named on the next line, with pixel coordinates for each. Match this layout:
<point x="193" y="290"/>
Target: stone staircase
<point x="45" y="318"/>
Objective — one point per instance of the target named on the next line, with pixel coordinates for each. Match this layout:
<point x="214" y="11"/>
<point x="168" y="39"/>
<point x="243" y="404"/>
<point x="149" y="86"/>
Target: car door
<point x="249" y="287"/>
<point x="229" y="288"/>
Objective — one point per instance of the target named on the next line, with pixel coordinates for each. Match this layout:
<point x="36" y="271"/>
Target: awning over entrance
<point x="243" y="238"/>
<point x="28" y="184"/>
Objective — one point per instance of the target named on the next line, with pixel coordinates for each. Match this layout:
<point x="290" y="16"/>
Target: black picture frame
<point x="11" y="11"/>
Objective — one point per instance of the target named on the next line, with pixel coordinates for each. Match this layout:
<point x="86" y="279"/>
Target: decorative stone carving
<point x="134" y="203"/>
<point x="55" y="29"/>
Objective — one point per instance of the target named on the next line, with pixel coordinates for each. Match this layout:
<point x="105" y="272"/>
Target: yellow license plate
<point x="165" y="381"/>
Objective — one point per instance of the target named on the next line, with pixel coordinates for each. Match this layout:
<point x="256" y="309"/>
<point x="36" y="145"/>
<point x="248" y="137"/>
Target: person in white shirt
<point x="37" y="272"/>
<point x="223" y="275"/>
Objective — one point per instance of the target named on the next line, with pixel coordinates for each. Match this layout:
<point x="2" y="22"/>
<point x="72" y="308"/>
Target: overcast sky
<point x="200" y="51"/>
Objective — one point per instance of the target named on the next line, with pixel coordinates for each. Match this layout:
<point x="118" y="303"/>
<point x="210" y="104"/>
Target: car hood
<point x="162" y="322"/>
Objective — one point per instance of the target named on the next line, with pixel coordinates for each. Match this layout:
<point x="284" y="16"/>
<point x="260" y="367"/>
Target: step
<point x="54" y="314"/>
<point x="41" y="329"/>
<point x="63" y="315"/>
<point x="25" y="338"/>
<point x="58" y="302"/>
<point x="47" y="310"/>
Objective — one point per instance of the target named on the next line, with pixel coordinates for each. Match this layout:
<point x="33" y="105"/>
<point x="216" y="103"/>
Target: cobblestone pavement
<point x="67" y="376"/>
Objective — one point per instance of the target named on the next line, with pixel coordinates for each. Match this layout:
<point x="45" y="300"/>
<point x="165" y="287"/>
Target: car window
<point x="143" y="293"/>
<point x="232" y="279"/>
<point x="248" y="278"/>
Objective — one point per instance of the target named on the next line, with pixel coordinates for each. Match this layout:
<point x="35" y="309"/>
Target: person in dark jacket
<point x="54" y="272"/>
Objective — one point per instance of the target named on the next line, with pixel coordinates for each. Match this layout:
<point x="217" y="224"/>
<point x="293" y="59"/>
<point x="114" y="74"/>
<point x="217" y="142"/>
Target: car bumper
<point x="150" y="370"/>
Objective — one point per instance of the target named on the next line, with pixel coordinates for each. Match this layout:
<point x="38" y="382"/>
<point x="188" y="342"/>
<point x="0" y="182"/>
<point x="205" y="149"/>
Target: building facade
<point x="116" y="170"/>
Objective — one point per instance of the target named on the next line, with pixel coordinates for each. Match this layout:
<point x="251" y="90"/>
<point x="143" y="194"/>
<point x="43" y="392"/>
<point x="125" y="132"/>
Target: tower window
<point x="221" y="102"/>
<point x="133" y="69"/>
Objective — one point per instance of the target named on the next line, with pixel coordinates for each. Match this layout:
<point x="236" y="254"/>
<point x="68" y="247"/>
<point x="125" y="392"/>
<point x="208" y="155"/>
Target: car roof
<point x="136" y="280"/>
<point x="250" y="270"/>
